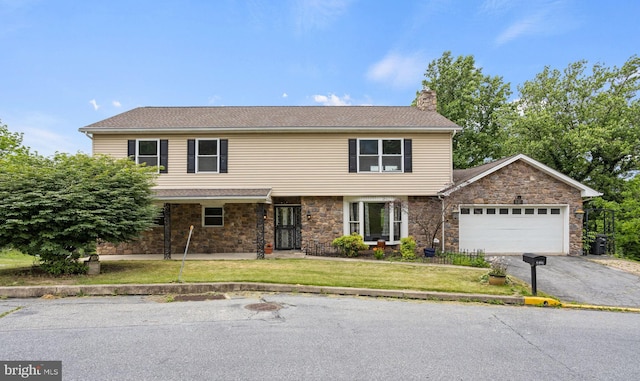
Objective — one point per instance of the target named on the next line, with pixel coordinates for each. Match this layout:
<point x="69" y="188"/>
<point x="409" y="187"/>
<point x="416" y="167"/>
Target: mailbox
<point x="534" y="260"/>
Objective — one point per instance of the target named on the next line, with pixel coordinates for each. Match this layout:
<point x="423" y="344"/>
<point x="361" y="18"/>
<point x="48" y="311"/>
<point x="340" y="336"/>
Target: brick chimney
<point x="427" y="101"/>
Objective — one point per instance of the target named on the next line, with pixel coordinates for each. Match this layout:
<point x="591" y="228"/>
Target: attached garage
<point x="514" y="228"/>
<point x="512" y="206"/>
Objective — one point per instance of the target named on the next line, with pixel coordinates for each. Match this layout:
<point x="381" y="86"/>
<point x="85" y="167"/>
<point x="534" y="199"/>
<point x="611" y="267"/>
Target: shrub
<point x="408" y="248"/>
<point x="378" y="253"/>
<point x="350" y="245"/>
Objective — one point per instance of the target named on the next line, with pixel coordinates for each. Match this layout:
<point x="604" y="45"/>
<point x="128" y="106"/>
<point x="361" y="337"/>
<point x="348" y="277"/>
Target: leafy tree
<point x="10" y="142"/>
<point x="627" y="214"/>
<point x="58" y="207"/>
<point x="473" y="101"/>
<point x="585" y="125"/>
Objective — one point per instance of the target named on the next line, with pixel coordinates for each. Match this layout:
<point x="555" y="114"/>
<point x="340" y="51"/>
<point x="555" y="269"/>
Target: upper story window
<point x="152" y="152"/>
<point x="380" y="155"/>
<point x="207" y="155"/>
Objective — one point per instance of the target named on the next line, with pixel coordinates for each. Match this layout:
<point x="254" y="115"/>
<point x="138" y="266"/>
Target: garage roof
<point x="464" y="177"/>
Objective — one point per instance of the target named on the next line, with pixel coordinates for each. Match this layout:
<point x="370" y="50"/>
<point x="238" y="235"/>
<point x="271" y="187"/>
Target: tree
<point x="10" y="142"/>
<point x="585" y="125"/>
<point x="627" y="217"/>
<point x="58" y="207"/>
<point x="474" y="102"/>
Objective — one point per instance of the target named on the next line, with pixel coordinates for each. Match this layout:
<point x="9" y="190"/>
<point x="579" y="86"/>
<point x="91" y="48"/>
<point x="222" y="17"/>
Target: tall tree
<point x="473" y="101"/>
<point x="10" y="142"/>
<point x="57" y="207"/>
<point x="585" y="125"/>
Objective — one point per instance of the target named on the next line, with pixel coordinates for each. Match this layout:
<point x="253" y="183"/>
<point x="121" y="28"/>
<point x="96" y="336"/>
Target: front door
<point x="288" y="223"/>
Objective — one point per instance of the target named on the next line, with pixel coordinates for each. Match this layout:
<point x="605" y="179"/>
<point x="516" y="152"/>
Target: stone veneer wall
<point x="427" y="210"/>
<point x="326" y="220"/>
<point x="502" y="187"/>
<point x="238" y="235"/>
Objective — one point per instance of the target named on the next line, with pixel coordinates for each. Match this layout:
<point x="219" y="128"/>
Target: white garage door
<point x="513" y="229"/>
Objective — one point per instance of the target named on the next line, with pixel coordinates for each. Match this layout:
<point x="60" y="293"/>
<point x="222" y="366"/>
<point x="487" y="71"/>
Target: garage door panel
<point x="506" y="233"/>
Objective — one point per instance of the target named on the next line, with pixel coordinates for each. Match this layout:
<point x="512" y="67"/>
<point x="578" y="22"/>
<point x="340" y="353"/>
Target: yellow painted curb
<point x="540" y="301"/>
<point x="602" y="308"/>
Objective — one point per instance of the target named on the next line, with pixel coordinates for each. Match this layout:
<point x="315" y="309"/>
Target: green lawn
<point x="17" y="270"/>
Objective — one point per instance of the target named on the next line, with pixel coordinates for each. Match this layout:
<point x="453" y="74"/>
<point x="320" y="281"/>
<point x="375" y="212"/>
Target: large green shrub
<point x="408" y="248"/>
<point x="350" y="245"/>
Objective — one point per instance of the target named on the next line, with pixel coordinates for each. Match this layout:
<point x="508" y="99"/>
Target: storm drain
<point x="263" y="307"/>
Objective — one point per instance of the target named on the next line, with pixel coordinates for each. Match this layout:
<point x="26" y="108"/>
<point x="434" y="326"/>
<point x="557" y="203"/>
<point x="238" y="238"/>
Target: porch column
<point x="260" y="217"/>
<point x="167" y="231"/>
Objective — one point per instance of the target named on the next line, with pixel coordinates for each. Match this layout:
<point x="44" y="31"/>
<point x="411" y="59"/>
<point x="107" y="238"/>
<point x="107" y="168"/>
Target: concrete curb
<point x="197" y="288"/>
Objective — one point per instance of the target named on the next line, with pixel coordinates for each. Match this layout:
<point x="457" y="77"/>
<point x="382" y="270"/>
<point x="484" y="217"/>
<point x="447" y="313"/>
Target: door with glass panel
<point x="288" y="225"/>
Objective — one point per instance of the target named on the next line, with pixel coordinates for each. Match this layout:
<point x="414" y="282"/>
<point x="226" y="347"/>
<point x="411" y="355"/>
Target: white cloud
<point x="318" y="14"/>
<point x="116" y="104"/>
<point x="41" y="133"/>
<point x="285" y="95"/>
<point x="540" y="18"/>
<point x="94" y="104"/>
<point x="398" y="70"/>
<point x="332" y="100"/>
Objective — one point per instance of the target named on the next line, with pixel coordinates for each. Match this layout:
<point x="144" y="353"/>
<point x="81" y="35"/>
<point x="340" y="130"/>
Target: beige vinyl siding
<point x="300" y="164"/>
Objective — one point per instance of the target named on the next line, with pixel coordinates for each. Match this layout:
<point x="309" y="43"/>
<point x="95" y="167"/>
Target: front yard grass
<point x="376" y="275"/>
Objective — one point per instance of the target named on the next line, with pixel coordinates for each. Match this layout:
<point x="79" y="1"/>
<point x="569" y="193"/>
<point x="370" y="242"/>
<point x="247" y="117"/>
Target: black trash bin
<point x="599" y="245"/>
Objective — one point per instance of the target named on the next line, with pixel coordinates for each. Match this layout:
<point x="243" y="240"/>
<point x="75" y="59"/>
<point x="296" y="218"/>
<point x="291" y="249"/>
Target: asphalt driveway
<point x="578" y="280"/>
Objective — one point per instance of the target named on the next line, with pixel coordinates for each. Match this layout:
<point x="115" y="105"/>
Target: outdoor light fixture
<point x="579" y="212"/>
<point x="264" y="214"/>
<point x="455" y="214"/>
<point x="308" y="215"/>
<point x="518" y="200"/>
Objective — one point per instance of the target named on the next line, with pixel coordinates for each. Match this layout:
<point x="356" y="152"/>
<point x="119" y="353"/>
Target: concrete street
<point x="317" y="338"/>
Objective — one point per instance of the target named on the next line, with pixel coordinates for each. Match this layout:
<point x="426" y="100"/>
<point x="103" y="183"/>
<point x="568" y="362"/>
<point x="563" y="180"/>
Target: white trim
<point x="157" y="150"/>
<point x="197" y="155"/>
<point x="267" y="129"/>
<point x="204" y="207"/>
<point x="585" y="191"/>
<point x="346" y="224"/>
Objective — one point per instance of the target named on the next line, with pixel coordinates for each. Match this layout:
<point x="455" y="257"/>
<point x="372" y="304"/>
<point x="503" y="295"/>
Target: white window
<point x="212" y="216"/>
<point x="207" y="155"/>
<point x="148" y="152"/>
<point x="376" y="219"/>
<point x="380" y="155"/>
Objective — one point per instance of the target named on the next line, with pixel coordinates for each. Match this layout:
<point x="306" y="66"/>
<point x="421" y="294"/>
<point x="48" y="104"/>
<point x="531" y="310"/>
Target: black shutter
<point x="408" y="157"/>
<point x="164" y="156"/>
<point x="191" y="156"/>
<point x="353" y="155"/>
<point x="131" y="149"/>
<point x="224" y="151"/>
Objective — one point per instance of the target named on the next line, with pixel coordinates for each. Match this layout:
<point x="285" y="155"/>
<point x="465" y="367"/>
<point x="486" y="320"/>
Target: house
<point x="248" y="176"/>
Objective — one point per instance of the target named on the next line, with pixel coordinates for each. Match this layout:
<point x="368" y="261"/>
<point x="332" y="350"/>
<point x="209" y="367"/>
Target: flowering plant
<point x="498" y="266"/>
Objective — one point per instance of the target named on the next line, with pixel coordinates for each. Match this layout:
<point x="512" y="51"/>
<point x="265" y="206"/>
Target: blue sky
<point x="67" y="64"/>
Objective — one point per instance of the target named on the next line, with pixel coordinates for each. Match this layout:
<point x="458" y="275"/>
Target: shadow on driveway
<point x="578" y="280"/>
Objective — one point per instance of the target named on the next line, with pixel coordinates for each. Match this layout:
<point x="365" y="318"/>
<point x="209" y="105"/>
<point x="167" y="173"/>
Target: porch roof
<point x="235" y="195"/>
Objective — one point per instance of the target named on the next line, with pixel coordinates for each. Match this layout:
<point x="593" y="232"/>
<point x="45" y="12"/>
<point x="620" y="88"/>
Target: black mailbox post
<point x="534" y="260"/>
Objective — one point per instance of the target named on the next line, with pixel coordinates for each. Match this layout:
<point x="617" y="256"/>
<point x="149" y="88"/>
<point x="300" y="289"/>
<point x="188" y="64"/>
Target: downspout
<point x="441" y="222"/>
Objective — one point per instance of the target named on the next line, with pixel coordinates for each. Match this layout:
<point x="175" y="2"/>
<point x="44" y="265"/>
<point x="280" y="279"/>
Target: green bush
<point x="350" y="245"/>
<point x="408" y="248"/>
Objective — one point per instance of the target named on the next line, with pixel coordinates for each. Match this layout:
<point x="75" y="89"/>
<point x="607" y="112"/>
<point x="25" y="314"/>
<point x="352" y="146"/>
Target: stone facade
<point x="325" y="222"/>
<point x="237" y="235"/>
<point x="504" y="185"/>
<point x="425" y="215"/>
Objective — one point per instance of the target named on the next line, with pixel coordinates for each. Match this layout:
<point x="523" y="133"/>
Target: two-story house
<point x="246" y="176"/>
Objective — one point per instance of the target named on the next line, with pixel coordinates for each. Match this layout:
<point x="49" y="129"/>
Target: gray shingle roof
<point x="251" y="117"/>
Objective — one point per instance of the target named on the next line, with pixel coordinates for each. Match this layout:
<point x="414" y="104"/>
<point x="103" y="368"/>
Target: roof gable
<point x="464" y="177"/>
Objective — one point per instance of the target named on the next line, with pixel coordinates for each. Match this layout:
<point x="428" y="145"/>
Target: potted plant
<point x="498" y="272"/>
<point x="268" y="249"/>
